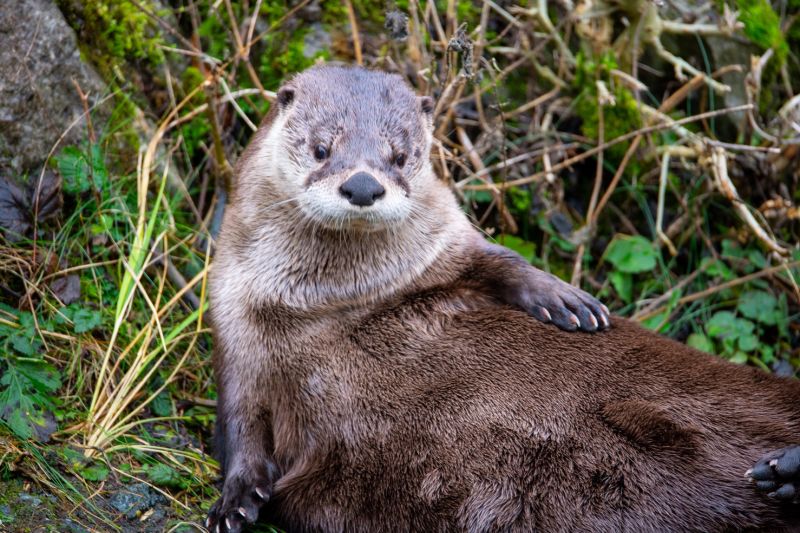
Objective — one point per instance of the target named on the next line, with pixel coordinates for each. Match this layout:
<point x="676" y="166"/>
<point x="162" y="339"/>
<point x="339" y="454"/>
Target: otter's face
<point x="352" y="146"/>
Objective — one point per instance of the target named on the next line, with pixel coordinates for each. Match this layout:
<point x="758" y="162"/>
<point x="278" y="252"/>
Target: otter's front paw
<point x="242" y="498"/>
<point x="552" y="300"/>
<point x="778" y="473"/>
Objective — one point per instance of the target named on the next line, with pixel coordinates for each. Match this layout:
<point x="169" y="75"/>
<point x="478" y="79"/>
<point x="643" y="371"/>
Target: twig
<point x="667" y="295"/>
<point x="680" y="65"/>
<point x="536" y="102"/>
<point x="717" y="288"/>
<point x="718" y="163"/>
<point x="472" y="155"/>
<point x="351" y="14"/>
<point x="242" y="49"/>
<point x="622" y="138"/>
<point x="235" y="105"/>
<point x="598" y="181"/>
<point x="662" y="187"/>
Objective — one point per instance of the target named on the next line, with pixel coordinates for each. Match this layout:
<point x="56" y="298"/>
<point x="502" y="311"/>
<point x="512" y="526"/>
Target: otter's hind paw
<point x="241" y="500"/>
<point x="778" y="473"/>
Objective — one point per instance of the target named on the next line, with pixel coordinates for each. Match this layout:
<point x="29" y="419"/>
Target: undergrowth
<point x="105" y="381"/>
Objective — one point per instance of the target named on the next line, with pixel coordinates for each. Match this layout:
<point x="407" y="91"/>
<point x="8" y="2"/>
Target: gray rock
<point x="73" y="527"/>
<point x="30" y="499"/>
<point x="134" y="499"/>
<point x="6" y="515"/>
<point x="39" y="59"/>
<point x="316" y="40"/>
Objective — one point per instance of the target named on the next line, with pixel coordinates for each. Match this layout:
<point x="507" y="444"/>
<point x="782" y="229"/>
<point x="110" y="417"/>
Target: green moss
<point x="112" y="32"/>
<point x="762" y="26"/>
<point x="618" y="119"/>
<point x="285" y="55"/>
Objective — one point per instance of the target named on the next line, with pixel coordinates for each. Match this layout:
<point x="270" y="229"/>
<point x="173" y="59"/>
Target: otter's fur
<point x="368" y="381"/>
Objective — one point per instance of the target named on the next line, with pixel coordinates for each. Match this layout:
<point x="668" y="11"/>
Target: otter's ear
<point x="285" y="97"/>
<point x="426" y="104"/>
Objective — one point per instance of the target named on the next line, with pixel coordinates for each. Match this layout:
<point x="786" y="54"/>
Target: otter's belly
<point x="515" y="426"/>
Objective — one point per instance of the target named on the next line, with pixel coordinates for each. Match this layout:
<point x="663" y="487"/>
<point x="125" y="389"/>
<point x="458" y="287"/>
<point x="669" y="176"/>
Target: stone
<point x="39" y="66"/>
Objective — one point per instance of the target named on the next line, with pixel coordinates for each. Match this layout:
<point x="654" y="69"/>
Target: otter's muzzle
<point x="361" y="189"/>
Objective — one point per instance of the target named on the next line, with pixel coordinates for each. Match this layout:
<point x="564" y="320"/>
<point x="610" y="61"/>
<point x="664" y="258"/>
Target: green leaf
<point x="717" y="268"/>
<point x="782" y="316"/>
<point x="24" y="344"/>
<point x="43" y="377"/>
<point x="757" y="259"/>
<point x="698" y="341"/>
<point x="26" y="390"/>
<point x="482" y="197"/>
<point x="657" y="322"/>
<point x="520" y="198"/>
<point x="86" y="320"/>
<point x="744" y="326"/>
<point x="71" y="457"/>
<point x="161" y="406"/>
<point x="731" y="248"/>
<point x="166" y="476"/>
<point x="739" y="358"/>
<point x="82" y="169"/>
<point x="722" y="324"/>
<point x="758" y="305"/>
<point x="623" y="284"/>
<point x="748" y="343"/>
<point x="767" y="353"/>
<point x="631" y="254"/>
<point x="19" y="424"/>
<point x="94" y="472"/>
<point x="73" y="168"/>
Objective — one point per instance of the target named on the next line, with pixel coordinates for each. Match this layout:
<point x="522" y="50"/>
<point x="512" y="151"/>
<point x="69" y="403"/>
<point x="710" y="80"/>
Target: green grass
<point x="114" y="390"/>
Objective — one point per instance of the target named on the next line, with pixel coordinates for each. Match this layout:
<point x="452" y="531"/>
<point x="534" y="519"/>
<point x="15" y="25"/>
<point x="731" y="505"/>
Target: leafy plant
<point x="83" y="169"/>
<point x="737" y="335"/>
<point x="27" y="382"/>
<point x="629" y="254"/>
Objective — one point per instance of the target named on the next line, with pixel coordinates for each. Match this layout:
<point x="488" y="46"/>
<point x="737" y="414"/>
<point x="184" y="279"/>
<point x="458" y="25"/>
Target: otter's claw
<point x="242" y="498"/>
<point x="778" y="474"/>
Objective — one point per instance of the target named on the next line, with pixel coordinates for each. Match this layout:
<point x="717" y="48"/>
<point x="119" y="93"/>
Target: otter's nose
<point x="362" y="189"/>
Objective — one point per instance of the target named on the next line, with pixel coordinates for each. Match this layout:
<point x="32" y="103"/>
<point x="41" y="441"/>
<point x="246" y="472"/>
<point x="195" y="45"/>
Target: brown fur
<point x="370" y="381"/>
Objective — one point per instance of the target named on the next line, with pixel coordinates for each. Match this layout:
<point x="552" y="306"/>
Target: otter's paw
<point x="778" y="473"/>
<point x="242" y="498"/>
<point x="566" y="306"/>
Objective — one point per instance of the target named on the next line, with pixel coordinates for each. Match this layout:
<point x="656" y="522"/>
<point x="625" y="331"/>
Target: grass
<point x="107" y="395"/>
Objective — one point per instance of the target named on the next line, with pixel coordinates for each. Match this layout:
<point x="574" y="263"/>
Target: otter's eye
<point x="320" y="152"/>
<point x="400" y="160"/>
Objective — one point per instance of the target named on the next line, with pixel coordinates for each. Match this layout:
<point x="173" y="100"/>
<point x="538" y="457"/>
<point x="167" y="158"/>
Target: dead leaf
<point x="67" y="289"/>
<point x="49" y="196"/>
<point x="19" y="206"/>
<point x="13" y="210"/>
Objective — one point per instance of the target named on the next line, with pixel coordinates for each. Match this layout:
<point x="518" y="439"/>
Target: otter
<point x="378" y="367"/>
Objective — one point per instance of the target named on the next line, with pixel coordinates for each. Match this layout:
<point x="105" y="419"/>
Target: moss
<point x="285" y="55"/>
<point x="762" y="26"/>
<point x="113" y="32"/>
<point x="618" y="119"/>
<point x="27" y="510"/>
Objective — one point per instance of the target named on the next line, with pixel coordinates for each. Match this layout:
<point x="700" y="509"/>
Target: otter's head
<point x="351" y="146"/>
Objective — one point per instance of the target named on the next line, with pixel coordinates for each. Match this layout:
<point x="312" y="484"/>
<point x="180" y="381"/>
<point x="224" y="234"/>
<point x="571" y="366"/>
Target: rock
<point x="73" y="527"/>
<point x="6" y="515"/>
<point x="728" y="51"/>
<point x="133" y="500"/>
<point x="29" y="499"/>
<point x="316" y="40"/>
<point x="39" y="66"/>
